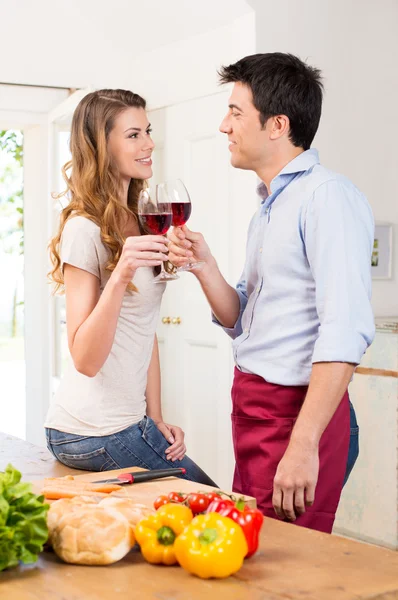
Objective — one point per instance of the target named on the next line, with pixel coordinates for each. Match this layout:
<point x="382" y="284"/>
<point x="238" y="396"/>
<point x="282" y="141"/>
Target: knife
<point x="141" y="476"/>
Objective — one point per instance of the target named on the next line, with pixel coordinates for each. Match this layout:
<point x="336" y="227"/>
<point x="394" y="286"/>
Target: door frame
<point x="39" y="145"/>
<point x="35" y="129"/>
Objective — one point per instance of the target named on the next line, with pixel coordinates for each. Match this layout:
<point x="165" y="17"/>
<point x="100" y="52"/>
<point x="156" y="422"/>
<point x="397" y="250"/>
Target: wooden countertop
<point x="292" y="563"/>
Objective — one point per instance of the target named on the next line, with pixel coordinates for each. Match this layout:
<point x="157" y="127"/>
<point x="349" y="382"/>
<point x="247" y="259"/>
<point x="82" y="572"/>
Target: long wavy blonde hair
<point x="93" y="184"/>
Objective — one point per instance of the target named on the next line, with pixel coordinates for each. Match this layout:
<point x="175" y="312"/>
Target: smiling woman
<point x="107" y="410"/>
<point x="123" y="144"/>
<point x="105" y="152"/>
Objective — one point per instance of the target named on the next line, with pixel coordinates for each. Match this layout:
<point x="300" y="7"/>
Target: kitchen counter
<point x="292" y="562"/>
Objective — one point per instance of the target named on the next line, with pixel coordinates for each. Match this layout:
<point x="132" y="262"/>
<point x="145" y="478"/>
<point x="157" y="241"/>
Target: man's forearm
<point x="328" y="383"/>
<point x="223" y="298"/>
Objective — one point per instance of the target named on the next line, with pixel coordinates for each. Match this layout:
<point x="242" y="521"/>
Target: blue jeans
<point x="353" y="450"/>
<point x="141" y="445"/>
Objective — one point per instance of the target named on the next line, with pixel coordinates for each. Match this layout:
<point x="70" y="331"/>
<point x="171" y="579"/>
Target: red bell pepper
<point x="250" y="519"/>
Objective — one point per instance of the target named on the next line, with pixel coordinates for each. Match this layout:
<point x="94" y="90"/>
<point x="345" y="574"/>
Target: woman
<point x="107" y="411"/>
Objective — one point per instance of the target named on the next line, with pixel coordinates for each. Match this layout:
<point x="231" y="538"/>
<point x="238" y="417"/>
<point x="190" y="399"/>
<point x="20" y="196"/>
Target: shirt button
<point x="261" y="249"/>
<point x="246" y="330"/>
<point x="258" y="290"/>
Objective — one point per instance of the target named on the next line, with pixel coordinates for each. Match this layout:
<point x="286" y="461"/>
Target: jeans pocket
<point x="154" y="438"/>
<point x="96" y="460"/>
<point x="59" y="438"/>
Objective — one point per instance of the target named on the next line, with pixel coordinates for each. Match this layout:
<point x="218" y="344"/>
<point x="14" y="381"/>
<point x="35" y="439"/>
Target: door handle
<point x="166" y="320"/>
<point x="176" y="321"/>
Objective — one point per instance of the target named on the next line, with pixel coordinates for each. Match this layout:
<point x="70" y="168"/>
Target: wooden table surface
<point x="292" y="563"/>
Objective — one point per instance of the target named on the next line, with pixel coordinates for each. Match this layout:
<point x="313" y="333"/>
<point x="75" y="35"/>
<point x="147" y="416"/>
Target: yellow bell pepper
<point x="211" y="546"/>
<point x="156" y="533"/>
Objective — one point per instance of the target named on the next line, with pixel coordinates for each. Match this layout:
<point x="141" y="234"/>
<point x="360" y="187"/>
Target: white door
<point x="40" y="144"/>
<point x="196" y="356"/>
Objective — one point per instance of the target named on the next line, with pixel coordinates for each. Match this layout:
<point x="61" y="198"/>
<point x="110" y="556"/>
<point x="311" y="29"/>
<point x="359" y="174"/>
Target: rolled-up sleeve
<point x="338" y="234"/>
<point x="236" y="330"/>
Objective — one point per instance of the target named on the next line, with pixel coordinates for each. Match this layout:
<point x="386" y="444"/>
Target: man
<point x="300" y="316"/>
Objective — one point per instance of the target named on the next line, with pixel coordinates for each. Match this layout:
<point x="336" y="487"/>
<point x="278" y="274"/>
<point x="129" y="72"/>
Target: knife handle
<point x="150" y="475"/>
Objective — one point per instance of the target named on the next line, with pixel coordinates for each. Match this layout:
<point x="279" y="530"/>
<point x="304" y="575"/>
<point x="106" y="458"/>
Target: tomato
<point x="176" y="497"/>
<point x="198" y="502"/>
<point x="160" y="501"/>
<point x="214" y="496"/>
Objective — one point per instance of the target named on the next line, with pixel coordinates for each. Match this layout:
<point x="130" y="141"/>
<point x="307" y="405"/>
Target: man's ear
<point x="278" y="126"/>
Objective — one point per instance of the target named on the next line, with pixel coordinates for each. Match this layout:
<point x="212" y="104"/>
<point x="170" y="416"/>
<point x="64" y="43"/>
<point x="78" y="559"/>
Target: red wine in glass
<point x="157" y="223"/>
<point x="181" y="206"/>
<point x="181" y="213"/>
<point x="178" y="197"/>
<point x="156" y="216"/>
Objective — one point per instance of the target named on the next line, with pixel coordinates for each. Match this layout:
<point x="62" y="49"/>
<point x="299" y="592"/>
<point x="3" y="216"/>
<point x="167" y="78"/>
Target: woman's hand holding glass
<point x="140" y="251"/>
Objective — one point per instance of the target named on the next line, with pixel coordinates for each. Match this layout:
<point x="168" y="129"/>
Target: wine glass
<point x="177" y="194"/>
<point x="156" y="217"/>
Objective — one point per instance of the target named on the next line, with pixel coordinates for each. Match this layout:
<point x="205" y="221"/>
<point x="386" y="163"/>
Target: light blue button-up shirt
<point x="306" y="286"/>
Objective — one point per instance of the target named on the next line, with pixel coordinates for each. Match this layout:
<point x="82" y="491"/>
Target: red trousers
<point x="263" y="416"/>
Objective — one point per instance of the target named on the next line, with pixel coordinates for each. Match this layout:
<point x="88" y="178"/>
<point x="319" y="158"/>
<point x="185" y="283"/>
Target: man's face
<point x="248" y="140"/>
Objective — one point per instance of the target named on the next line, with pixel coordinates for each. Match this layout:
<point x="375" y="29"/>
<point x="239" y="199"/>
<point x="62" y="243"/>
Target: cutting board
<point x="146" y="492"/>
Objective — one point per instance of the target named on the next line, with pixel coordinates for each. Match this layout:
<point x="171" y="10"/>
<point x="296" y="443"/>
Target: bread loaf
<point x="59" y="508"/>
<point x="132" y="511"/>
<point x="91" y="534"/>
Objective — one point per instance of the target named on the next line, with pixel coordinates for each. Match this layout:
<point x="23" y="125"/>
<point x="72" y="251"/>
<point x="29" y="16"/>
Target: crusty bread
<point x="59" y="508"/>
<point x="131" y="510"/>
<point x="91" y="534"/>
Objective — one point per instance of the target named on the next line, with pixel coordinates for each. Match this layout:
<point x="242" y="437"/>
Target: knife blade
<point x="141" y="476"/>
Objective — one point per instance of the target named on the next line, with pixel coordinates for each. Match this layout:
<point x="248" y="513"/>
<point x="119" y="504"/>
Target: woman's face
<point x="130" y="144"/>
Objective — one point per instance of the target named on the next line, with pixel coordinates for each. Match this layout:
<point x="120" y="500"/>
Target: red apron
<point x="263" y="416"/>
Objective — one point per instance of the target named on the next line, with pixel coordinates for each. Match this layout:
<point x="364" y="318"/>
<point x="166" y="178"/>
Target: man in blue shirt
<point x="300" y="317"/>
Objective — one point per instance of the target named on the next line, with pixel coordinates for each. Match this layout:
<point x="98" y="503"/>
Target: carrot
<point x="60" y="483"/>
<point x="56" y="493"/>
<point x="68" y="487"/>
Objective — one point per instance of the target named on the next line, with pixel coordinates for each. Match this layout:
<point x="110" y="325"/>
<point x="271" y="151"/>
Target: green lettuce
<point x="23" y="520"/>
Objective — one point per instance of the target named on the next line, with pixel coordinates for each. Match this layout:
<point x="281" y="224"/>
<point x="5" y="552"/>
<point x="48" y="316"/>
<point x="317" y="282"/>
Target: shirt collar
<point x="303" y="162"/>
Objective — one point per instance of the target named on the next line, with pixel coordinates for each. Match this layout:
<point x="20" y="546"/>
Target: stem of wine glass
<point x="162" y="269"/>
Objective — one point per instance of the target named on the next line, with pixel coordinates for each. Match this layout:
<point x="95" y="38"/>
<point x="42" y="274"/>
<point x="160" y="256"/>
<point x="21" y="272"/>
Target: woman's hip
<point x="140" y="445"/>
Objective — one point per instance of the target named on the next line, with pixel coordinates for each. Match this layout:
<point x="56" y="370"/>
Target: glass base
<point x="164" y="277"/>
<point x="191" y="266"/>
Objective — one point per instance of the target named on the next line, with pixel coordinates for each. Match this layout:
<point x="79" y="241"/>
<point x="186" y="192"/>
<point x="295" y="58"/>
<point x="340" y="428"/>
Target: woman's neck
<point x="125" y="191"/>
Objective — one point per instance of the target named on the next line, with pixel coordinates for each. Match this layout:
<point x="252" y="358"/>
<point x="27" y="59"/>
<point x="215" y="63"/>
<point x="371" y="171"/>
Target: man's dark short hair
<point x="282" y="84"/>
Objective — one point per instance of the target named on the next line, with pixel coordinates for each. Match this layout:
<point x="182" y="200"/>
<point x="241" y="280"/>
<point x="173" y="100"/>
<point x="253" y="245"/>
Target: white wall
<point x="355" y="44"/>
<point x="21" y="106"/>
<point x="77" y="43"/>
<point x="188" y="69"/>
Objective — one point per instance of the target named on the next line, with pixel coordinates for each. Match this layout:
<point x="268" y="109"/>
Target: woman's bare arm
<point x="91" y="318"/>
